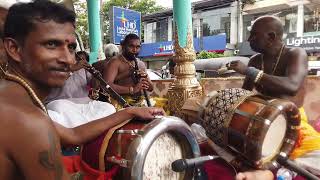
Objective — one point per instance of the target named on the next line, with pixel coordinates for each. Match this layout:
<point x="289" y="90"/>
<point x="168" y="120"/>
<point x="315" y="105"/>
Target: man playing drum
<point x="279" y="71"/>
<point x="39" y="39"/>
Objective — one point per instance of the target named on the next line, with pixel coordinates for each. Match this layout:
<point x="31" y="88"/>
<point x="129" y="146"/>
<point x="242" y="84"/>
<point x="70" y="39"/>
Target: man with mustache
<point x="119" y="71"/>
<point x="39" y="39"/>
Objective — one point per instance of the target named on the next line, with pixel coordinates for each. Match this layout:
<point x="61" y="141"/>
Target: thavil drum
<point x="256" y="127"/>
<point x="144" y="151"/>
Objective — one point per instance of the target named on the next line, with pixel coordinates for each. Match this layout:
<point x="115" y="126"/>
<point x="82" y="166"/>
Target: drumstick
<point x="224" y="68"/>
<point x="227" y="157"/>
<point x="220" y="151"/>
<point x="295" y="167"/>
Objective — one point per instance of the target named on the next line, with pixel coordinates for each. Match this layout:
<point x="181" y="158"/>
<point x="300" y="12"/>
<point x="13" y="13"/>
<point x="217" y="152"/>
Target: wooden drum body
<point x="144" y="151"/>
<point x="252" y="126"/>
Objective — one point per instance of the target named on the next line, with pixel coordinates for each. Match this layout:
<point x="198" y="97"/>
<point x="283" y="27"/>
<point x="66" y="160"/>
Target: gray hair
<point x="111" y="50"/>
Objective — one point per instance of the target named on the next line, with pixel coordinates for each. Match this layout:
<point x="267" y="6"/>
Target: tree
<point x="143" y="6"/>
<point x="82" y="26"/>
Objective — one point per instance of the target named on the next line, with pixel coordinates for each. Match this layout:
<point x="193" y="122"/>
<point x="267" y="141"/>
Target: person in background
<point x="172" y="64"/>
<point x="96" y="92"/>
<point x="110" y="51"/>
<point x="70" y="105"/>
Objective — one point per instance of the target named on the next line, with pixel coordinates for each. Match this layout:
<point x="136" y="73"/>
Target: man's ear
<point x="272" y="36"/>
<point x="13" y="49"/>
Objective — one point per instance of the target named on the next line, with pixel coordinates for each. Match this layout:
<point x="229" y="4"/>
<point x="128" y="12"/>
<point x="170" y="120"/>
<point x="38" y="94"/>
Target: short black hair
<point x="21" y="17"/>
<point x="172" y="63"/>
<point x="128" y="38"/>
<point x="83" y="53"/>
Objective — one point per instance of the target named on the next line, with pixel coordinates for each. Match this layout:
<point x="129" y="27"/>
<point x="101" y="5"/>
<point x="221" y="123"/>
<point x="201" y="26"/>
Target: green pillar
<point x="94" y="29"/>
<point x="185" y="84"/>
<point x="182" y="16"/>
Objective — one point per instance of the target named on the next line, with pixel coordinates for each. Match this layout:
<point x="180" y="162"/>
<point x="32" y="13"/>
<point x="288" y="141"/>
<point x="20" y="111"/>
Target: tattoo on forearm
<point x="50" y="160"/>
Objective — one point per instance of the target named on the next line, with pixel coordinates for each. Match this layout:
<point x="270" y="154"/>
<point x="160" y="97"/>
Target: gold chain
<point x="277" y="62"/>
<point x="122" y="58"/>
<point x="23" y="83"/>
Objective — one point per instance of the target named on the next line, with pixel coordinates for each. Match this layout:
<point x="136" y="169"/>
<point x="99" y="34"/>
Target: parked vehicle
<point x="154" y="75"/>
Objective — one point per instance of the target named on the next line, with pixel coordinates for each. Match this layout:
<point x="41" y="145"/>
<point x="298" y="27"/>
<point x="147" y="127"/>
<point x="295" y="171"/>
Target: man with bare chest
<point x="282" y="70"/>
<point x="120" y="70"/>
<point x="40" y="42"/>
<point x="279" y="71"/>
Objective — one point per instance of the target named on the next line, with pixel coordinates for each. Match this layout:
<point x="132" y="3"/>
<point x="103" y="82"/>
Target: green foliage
<point x="82" y="26"/>
<point x="208" y="55"/>
<point x="245" y="2"/>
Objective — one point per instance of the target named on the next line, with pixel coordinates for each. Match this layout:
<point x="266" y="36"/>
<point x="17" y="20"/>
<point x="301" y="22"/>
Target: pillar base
<point x="177" y="96"/>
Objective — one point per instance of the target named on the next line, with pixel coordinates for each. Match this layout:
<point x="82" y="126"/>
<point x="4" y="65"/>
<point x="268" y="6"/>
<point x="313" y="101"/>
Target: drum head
<point x="164" y="150"/>
<point x="164" y="140"/>
<point x="274" y="138"/>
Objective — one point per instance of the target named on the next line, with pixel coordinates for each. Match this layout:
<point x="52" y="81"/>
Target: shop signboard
<point x="309" y="43"/>
<point x="166" y="48"/>
<point x="124" y="21"/>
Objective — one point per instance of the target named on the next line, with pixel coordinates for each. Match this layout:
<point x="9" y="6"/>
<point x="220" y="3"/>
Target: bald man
<point x="279" y="71"/>
<point x="284" y="69"/>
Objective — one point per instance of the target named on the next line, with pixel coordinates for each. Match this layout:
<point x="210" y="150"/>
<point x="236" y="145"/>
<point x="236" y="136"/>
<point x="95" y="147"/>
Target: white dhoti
<point x="77" y="111"/>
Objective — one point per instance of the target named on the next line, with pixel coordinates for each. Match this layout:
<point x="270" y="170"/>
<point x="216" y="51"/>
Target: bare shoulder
<point x="23" y="115"/>
<point x="255" y="59"/>
<point x="26" y="128"/>
<point x="297" y="51"/>
<point x="114" y="62"/>
<point x="19" y="114"/>
<point x="115" y="59"/>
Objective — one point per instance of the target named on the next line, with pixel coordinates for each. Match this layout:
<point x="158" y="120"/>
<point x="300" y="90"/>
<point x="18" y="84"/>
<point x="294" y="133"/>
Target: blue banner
<point x="125" y="21"/>
<point x="208" y="43"/>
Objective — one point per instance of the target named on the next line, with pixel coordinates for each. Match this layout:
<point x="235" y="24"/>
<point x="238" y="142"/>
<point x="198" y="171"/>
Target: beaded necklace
<point x="23" y="83"/>
<point x="277" y="62"/>
<point x="122" y="58"/>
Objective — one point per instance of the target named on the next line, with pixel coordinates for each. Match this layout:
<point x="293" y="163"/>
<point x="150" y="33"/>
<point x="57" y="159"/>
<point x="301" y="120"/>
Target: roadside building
<point x="211" y="31"/>
<point x="301" y="21"/>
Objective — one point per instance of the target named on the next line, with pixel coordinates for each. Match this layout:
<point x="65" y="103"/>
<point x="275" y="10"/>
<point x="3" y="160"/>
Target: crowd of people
<point x="44" y="88"/>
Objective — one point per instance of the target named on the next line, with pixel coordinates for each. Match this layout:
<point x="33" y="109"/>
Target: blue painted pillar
<point x="94" y="29"/>
<point x="182" y="17"/>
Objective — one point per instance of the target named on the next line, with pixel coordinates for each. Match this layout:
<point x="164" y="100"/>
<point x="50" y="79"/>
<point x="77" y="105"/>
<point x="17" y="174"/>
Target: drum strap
<point x="105" y="143"/>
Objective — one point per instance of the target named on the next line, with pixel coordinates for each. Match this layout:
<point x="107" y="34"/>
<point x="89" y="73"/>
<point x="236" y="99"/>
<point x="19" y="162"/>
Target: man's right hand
<point x="145" y="113"/>
<point x="255" y="175"/>
<point x="237" y="66"/>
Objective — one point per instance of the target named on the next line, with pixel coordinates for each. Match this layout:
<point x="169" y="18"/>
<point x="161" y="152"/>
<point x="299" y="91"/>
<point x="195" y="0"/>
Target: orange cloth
<point x="309" y="138"/>
<point x="75" y="166"/>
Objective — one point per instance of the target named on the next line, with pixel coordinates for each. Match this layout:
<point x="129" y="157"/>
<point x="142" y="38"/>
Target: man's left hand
<point x="237" y="66"/>
<point x="144" y="75"/>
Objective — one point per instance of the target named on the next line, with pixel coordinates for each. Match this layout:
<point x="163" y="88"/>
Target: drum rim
<point x="285" y="108"/>
<point x="291" y="112"/>
<point x="138" y="150"/>
<point x="271" y="157"/>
